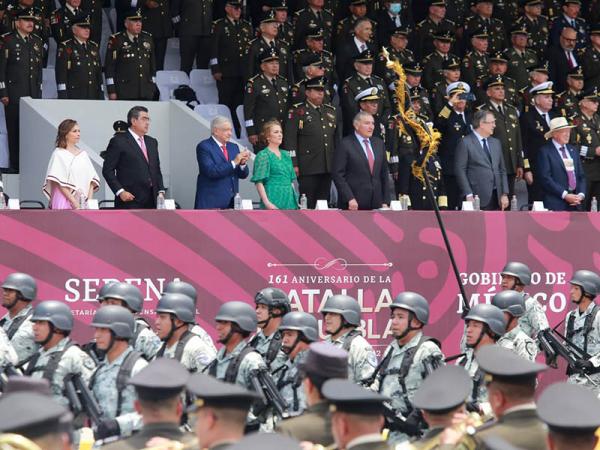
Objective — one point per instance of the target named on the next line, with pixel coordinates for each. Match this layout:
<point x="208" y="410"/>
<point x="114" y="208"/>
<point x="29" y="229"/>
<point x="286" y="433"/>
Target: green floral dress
<point x="276" y="175"/>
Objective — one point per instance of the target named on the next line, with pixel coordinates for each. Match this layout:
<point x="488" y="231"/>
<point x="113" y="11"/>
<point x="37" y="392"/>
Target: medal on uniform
<point x="146" y="45"/>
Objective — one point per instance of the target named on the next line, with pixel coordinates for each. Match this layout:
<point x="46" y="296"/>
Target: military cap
<point x="134" y="14"/>
<point x="433" y="394"/>
<point x="346" y="396"/>
<point x="120" y="126"/>
<point x="30" y="414"/>
<point x="208" y="391"/>
<point x="542" y="88"/>
<point x="413" y="68"/>
<point x="21" y="383"/>
<point x="451" y="63"/>
<point x="82" y="20"/>
<point x="542" y="67"/>
<point x="595" y="28"/>
<point x="28" y="13"/>
<point x="368" y="94"/>
<point x="161" y="379"/>
<point x="577" y="2"/>
<point x="358" y="2"/>
<point x="269" y="54"/>
<point x="475" y="2"/>
<point x="519" y="29"/>
<point x="436" y="3"/>
<point x="279" y="5"/>
<point x="414" y="93"/>
<point x="315" y="33"/>
<point x="590" y="93"/>
<point x="504" y="365"/>
<point x="493" y="81"/>
<point x="480" y="33"/>
<point x="498" y="57"/>
<point x="569" y="408"/>
<point x="532" y="2"/>
<point x="265" y="441"/>
<point x="444" y="35"/>
<point x="365" y="57"/>
<point x="576" y="72"/>
<point x="402" y="30"/>
<point x="269" y="18"/>
<point x="325" y="360"/>
<point x="458" y="86"/>
<point x="316" y="83"/>
<point x="312" y="60"/>
<point x="234" y="3"/>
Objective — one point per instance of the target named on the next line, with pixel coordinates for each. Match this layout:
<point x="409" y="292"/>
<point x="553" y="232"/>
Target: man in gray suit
<point x="479" y="164"/>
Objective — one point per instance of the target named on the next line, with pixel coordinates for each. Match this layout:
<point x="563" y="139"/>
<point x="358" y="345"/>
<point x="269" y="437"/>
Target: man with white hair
<point x="221" y="164"/>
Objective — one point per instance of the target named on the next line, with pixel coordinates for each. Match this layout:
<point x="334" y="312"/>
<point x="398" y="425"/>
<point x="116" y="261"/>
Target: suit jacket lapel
<point x="136" y="147"/>
<point x="361" y="151"/>
<point x="219" y="149"/>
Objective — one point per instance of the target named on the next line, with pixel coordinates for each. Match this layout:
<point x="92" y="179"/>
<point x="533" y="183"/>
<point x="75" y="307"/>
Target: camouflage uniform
<point x="289" y="383"/>
<point x="196" y="354"/>
<point x="22" y="341"/>
<point x="362" y="359"/>
<point x="479" y="393"/>
<point x="261" y="344"/>
<point x="251" y="362"/>
<point x="104" y="388"/>
<point x="592" y="346"/>
<point x="519" y="342"/>
<point x="199" y="331"/>
<point x="534" y="320"/>
<point x="147" y="342"/>
<point x="7" y="352"/>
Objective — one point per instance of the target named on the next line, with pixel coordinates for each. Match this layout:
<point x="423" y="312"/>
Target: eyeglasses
<point x="569" y="40"/>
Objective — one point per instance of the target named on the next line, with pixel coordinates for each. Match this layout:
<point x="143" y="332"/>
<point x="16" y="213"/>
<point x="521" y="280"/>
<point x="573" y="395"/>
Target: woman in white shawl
<point x="70" y="172"/>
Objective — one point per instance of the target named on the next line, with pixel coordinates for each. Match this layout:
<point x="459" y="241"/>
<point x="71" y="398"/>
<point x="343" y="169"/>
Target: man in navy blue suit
<point x="559" y="169"/>
<point x="221" y="165"/>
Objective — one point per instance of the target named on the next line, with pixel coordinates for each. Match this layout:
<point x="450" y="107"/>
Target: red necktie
<point x="143" y="146"/>
<point x="570" y="60"/>
<point x="224" y="148"/>
<point x="370" y="155"/>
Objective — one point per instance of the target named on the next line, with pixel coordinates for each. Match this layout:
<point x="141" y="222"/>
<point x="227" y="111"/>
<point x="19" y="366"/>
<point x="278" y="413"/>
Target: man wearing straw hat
<point x="559" y="169"/>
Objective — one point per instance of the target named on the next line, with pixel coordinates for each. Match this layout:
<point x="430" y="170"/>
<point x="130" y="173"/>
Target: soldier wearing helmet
<point x="407" y="361"/>
<point x="341" y="316"/>
<point x="512" y="304"/>
<point x="144" y="340"/>
<point x="181" y="287"/>
<point x="114" y="327"/>
<point x="485" y="326"/>
<point x="58" y="355"/>
<point x="8" y="356"/>
<point x="271" y="305"/>
<point x="516" y="276"/>
<point x="175" y="314"/>
<point x="18" y="291"/>
<point x="298" y="330"/>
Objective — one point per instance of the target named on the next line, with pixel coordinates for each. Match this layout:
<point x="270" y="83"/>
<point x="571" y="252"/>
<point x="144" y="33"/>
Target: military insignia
<point x="588" y="139"/>
<point x="456" y="126"/>
<point x="146" y="45"/>
<point x="331" y="116"/>
<point x="284" y="88"/>
<point x="265" y="91"/>
<point x="408" y="139"/>
<point x="283" y="51"/>
<point x="125" y="44"/>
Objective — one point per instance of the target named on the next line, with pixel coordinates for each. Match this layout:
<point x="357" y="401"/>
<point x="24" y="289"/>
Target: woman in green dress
<point x="274" y="172"/>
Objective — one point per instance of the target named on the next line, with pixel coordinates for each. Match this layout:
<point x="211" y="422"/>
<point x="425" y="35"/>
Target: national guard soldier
<point x="345" y="27"/>
<point x="156" y="20"/>
<point x="483" y="19"/>
<point x="314" y="47"/>
<point x="61" y="20"/>
<point x="567" y="102"/>
<point x="508" y="129"/>
<point x="368" y="101"/>
<point x="266" y="96"/>
<point x="397" y="51"/>
<point x="310" y="18"/>
<point x="511" y="382"/>
<point x="414" y="72"/>
<point x="192" y="20"/>
<point x="130" y="67"/>
<point x="114" y="328"/>
<point x="230" y="44"/>
<point x="78" y="67"/>
<point x="432" y="64"/>
<point x="312" y="70"/>
<point x="451" y="72"/>
<point x="484" y="326"/>
<point x="18" y="291"/>
<point x="299" y="329"/>
<point x="516" y="276"/>
<point x="58" y="357"/>
<point x="341" y="315"/>
<point x="430" y="26"/>
<point x="590" y="59"/>
<point x="512" y="304"/>
<point x="271" y="305"/>
<point x="521" y="60"/>
<point x="439" y="404"/>
<point x="8" y="356"/>
<point x="536" y="25"/>
<point x="174" y="315"/>
<point x="21" y="63"/>
<point x="310" y="136"/>
<point x="158" y="388"/>
<point x="221" y="410"/>
<point x="475" y="63"/>
<point x="407" y="361"/>
<point x="323" y="362"/>
<point x="268" y="43"/>
<point x="587" y="136"/>
<point x="356" y="415"/>
<point x="144" y="340"/>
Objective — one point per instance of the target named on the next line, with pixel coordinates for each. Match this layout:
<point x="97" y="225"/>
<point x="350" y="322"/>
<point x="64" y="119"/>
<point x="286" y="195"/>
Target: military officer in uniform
<point x="397" y="51"/>
<point x="41" y="26"/>
<point x="21" y="63"/>
<point x="499" y="66"/>
<point x="482" y="18"/>
<point x="407" y="361"/>
<point x="129" y="66"/>
<point x="266" y="96"/>
<point x="18" y="291"/>
<point x="402" y="143"/>
<point x="268" y="42"/>
<point x="432" y="64"/>
<point x="156" y="20"/>
<point x="451" y="71"/>
<point x="158" y="390"/>
<point x="587" y="137"/>
<point x="414" y="72"/>
<point x="286" y="29"/>
<point x="310" y="136"/>
<point x="512" y="304"/>
<point x="520" y="58"/>
<point x="192" y="20"/>
<point x="314" y="47"/>
<point x="231" y="41"/>
<point x="476" y="62"/>
<point x="314" y="16"/>
<point x="78" y="67"/>
<point x="537" y="76"/>
<point x="368" y="101"/>
<point x="590" y="59"/>
<point x="567" y="102"/>
<point x="312" y="70"/>
<point x="425" y="30"/>
<point x="536" y="25"/>
<point x="61" y="20"/>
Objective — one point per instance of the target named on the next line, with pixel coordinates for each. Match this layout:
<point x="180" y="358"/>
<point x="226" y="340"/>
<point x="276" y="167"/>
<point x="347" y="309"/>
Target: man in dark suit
<point x="479" y="164"/>
<point x="562" y="58"/>
<point x="352" y="47"/>
<point x="360" y="168"/>
<point x="559" y="169"/>
<point x="221" y="165"/>
<point x="132" y="166"/>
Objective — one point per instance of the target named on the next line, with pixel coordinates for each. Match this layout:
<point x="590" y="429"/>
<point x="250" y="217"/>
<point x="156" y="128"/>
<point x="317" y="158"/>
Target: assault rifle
<point x="412" y="425"/>
<point x="267" y="390"/>
<point x="81" y="398"/>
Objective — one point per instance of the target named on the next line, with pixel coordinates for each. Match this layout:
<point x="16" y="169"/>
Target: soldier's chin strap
<point x="18" y="297"/>
<point x="235" y="328"/>
<point x="409" y="328"/>
<point x="288" y="350"/>
<point x="174" y="328"/>
<point x="272" y="315"/>
<point x="50" y="334"/>
<point x="485" y="330"/>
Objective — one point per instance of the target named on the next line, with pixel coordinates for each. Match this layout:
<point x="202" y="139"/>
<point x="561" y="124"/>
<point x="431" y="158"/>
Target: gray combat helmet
<point x="23" y="283"/>
<point x="181" y="306"/>
<point x="127" y="293"/>
<point x="413" y="302"/>
<point x="239" y="313"/>
<point x="302" y="322"/>
<point x="103" y="290"/>
<point x="518" y="270"/>
<point x="55" y="312"/>
<point x="273" y="298"/>
<point x="344" y="305"/>
<point x="118" y="319"/>
<point x="491" y="315"/>
<point x="588" y="281"/>
<point x="181" y="287"/>
<point x="511" y="302"/>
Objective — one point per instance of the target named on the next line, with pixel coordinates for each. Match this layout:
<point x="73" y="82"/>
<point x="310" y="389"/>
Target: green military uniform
<point x="157" y="22"/>
<point x="298" y="92"/>
<point x="432" y="68"/>
<point x="61" y="21"/>
<point x="589" y="59"/>
<point x="40" y="27"/>
<point x="567" y="103"/>
<point x="306" y="20"/>
<point x="438" y="93"/>
<point x="475" y="65"/>
<point x="264" y="100"/>
<point x="286" y="33"/>
<point x="539" y="32"/>
<point x="301" y="56"/>
<point x="193" y="22"/>
<point x="421" y="94"/>
<point x="403" y="56"/>
<point x="401" y="143"/>
<point x="258" y="47"/>
<point x="79" y="71"/>
<point x="94" y="9"/>
<point x="424" y="33"/>
<point x="519" y="66"/>
<point x="495" y="29"/>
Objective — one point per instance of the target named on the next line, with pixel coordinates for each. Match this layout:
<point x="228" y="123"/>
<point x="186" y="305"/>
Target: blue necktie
<point x="487" y="150"/>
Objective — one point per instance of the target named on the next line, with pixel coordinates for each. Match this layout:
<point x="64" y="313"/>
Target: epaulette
<point x="508" y="78"/>
<point x="93" y="42"/>
<point x="328" y="11"/>
<point x="253" y="41"/>
<point x="328" y="52"/>
<point x="486" y="425"/>
<point x="296" y="105"/>
<point x="480" y="107"/>
<point x="66" y="42"/>
<point x="421" y="22"/>
<point x="451" y="21"/>
<point x="427" y="58"/>
<point x="300" y="11"/>
<point x="146" y="32"/>
<point x="348" y="79"/>
<point x="327" y="105"/>
<point x="252" y="79"/>
<point x="445" y="112"/>
<point x="222" y="19"/>
<point x="282" y="78"/>
<point x="6" y="36"/>
<point x="374" y="22"/>
<point x="35" y="36"/>
<point x="299" y="51"/>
